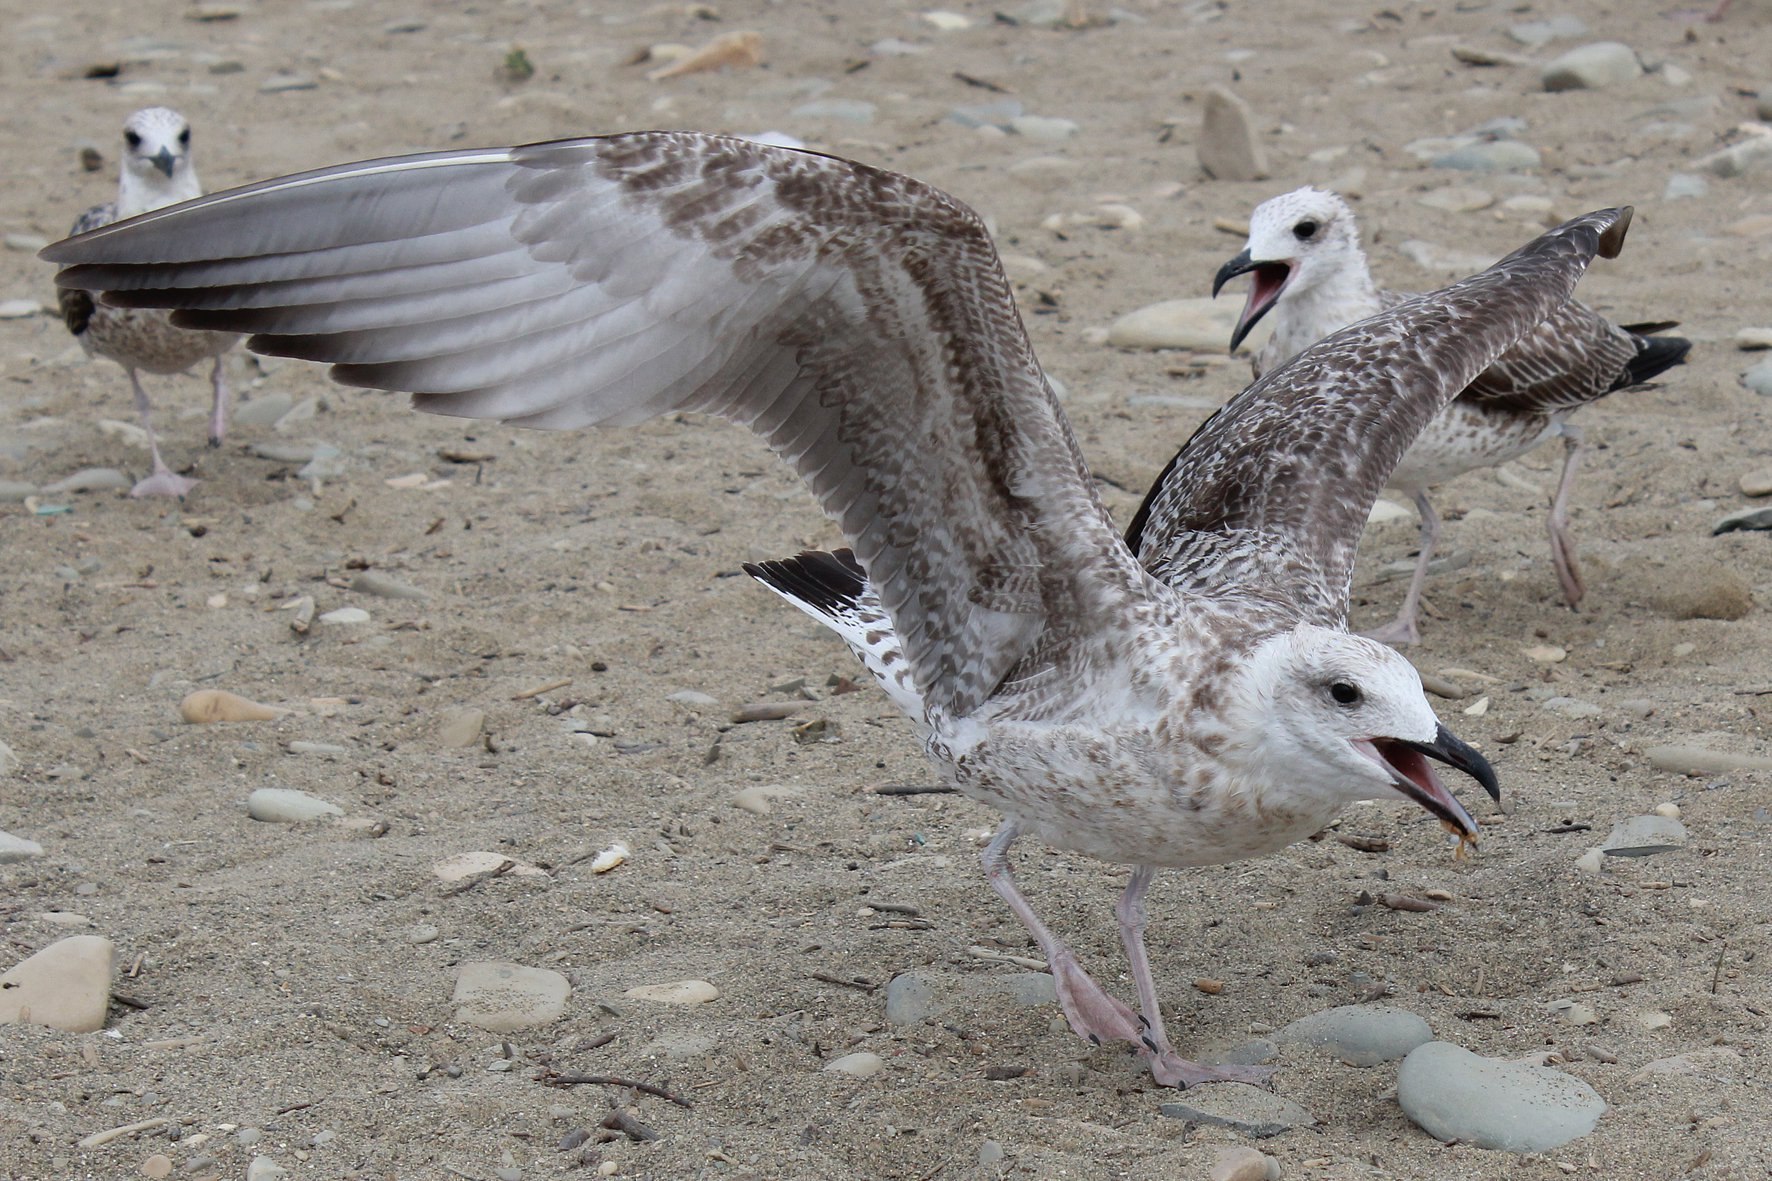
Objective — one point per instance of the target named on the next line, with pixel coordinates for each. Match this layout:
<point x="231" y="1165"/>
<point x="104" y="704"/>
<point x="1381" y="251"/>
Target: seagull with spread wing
<point x="1308" y="270"/>
<point x="1189" y="700"/>
<point x="156" y="171"/>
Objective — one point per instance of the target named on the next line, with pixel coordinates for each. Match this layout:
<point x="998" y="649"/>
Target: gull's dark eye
<point x="184" y="137"/>
<point x="1304" y="230"/>
<point x="1345" y="693"/>
<point x="132" y="139"/>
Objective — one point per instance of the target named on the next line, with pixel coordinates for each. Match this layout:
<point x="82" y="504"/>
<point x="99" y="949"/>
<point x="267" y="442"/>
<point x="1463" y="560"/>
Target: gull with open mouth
<point x="1307" y="269"/>
<point x="1186" y="697"/>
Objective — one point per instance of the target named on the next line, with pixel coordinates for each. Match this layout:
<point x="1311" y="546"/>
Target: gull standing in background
<point x="1192" y="700"/>
<point x="1310" y="272"/>
<point x="156" y="172"/>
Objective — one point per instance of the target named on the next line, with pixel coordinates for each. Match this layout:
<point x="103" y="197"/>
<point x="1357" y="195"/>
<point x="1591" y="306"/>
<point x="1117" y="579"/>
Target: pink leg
<point x="1562" y="545"/>
<point x="1402" y="630"/>
<point x="1168" y="1067"/>
<point x="218" y="412"/>
<point x="163" y="482"/>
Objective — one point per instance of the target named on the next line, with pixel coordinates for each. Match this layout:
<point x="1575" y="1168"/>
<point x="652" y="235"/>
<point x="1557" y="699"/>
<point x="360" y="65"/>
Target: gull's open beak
<point x="164" y="161"/>
<point x="1415" y="778"/>
<point x="1270" y="279"/>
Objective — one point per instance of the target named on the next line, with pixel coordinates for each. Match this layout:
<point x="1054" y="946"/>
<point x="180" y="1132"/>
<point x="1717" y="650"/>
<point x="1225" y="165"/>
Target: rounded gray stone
<point x="1249" y="1109"/>
<point x="17" y="848"/>
<point x="1453" y="1094"/>
<point x="909" y="999"/>
<point x="504" y="998"/>
<point x="1360" y="1035"/>
<point x="1501" y="155"/>
<point x="283" y="805"/>
<point x="1604" y="63"/>
<point x="1759" y="378"/>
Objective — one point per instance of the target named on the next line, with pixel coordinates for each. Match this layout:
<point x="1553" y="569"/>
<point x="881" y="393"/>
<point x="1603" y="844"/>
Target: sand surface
<point x="271" y="973"/>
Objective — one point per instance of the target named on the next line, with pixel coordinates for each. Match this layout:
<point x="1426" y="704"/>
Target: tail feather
<point x="1655" y="355"/>
<point x="832" y="588"/>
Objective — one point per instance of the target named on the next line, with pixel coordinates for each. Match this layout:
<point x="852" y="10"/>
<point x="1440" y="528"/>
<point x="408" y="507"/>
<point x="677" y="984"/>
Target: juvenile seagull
<point x="1201" y="706"/>
<point x="156" y="171"/>
<point x="1309" y="270"/>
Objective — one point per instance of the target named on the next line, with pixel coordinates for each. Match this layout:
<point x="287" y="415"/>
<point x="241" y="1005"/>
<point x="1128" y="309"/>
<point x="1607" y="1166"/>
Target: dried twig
<point x="554" y="1079"/>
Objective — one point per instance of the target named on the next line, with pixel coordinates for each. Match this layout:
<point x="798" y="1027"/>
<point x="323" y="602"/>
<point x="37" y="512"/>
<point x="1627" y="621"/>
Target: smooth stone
<point x="843" y="110"/>
<point x="1360" y="1035"/>
<point x="1654" y="1019"/>
<point x="1684" y="186"/>
<point x="368" y="582"/>
<point x="1756" y="483"/>
<point x="202" y="707"/>
<point x="290" y="452"/>
<point x="1043" y="127"/>
<point x="422" y="934"/>
<point x="990" y="1153"/>
<point x="1255" y="1052"/>
<point x="1644" y="836"/>
<point x="756" y="798"/>
<point x="344" y="615"/>
<point x="1573" y="1011"/>
<point x="1251" y="1110"/>
<point x="17" y="848"/>
<point x="1592" y="861"/>
<point x="1455" y="199"/>
<point x="1591" y="67"/>
<point x="285" y="805"/>
<point x="1028" y="988"/>
<point x="89" y="479"/>
<point x="463" y="866"/>
<point x="997" y="113"/>
<point x="860" y="1064"/>
<point x="1750" y="155"/>
<point x="157" y="1167"/>
<point x="1201" y="324"/>
<point x="327" y="463"/>
<point x="1501" y="155"/>
<point x="14" y="491"/>
<point x="1453" y="1094"/>
<point x="1542" y="32"/>
<point x="1753" y="338"/>
<point x="263" y="1168"/>
<point x="1759" y="378"/>
<point x="503" y="998"/>
<point x="676" y="992"/>
<point x="1699" y="590"/>
<point x="910" y="999"/>
<point x="694" y="698"/>
<point x="1752" y="518"/>
<point x="65" y="986"/>
<point x="264" y="410"/>
<point x="1570" y="707"/>
<point x="299" y="747"/>
<point x="461" y="727"/>
<point x="25" y="243"/>
<point x="283" y="83"/>
<point x="19" y="309"/>
<point x="1241" y="1163"/>
<point x="1691" y="1064"/>
<point x="1228" y="148"/>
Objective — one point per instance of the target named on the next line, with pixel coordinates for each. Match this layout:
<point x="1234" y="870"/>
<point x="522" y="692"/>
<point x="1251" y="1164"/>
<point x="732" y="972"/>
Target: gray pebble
<point x="990" y="1153"/>
<point x="1228" y="148"/>
<point x="1604" y="63"/>
<point x="503" y="998"/>
<point x="999" y="113"/>
<point x="508" y="1173"/>
<point x="1500" y="155"/>
<point x="1454" y="1094"/>
<point x="13" y="491"/>
<point x="1042" y="127"/>
<point x="422" y="934"/>
<point x="1759" y="378"/>
<point x="691" y="697"/>
<point x="1644" y="836"/>
<point x="89" y="479"/>
<point x="285" y="805"/>
<point x="1683" y="186"/>
<point x="1703" y="760"/>
<point x="1752" y="518"/>
<point x="369" y="582"/>
<point x="17" y="848"/>
<point x="1029" y="988"/>
<point x="263" y="1168"/>
<point x="281" y="83"/>
<point x="264" y="410"/>
<point x="1248" y="1109"/>
<point x="247" y="1137"/>
<point x="1360" y="1035"/>
<point x="861" y="1064"/>
<point x="1753" y="154"/>
<point x="910" y="999"/>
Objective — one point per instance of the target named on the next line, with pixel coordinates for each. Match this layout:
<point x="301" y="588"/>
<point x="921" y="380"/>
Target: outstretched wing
<point x="1274" y="489"/>
<point x="856" y="319"/>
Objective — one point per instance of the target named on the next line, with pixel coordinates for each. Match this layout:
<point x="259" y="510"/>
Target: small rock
<point x="285" y="805"/>
<point x="1668" y="809"/>
<point x="283" y="83"/>
<point x="345" y="615"/>
<point x="1691" y="1065"/>
<point x="1759" y="379"/>
<point x="1201" y="324"/>
<point x="1029" y="988"/>
<point x="1360" y="1035"/>
<point x="693" y="698"/>
<point x="461" y="727"/>
<point x="1750" y="155"/>
<point x="1547" y="654"/>
<point x="1574" y="1012"/>
<point x="89" y="479"/>
<point x="1500" y="155"/>
<point x="1453" y="1094"/>
<point x="466" y="865"/>
<point x="264" y="410"/>
<point x="948" y="22"/>
<point x="368" y="582"/>
<point x="990" y="1153"/>
<point x="1684" y="186"/>
<point x="1757" y="226"/>
<point x="1228" y="148"/>
<point x="1752" y="518"/>
<point x="910" y="999"/>
<point x="1248" y="1109"/>
<point x="996" y="113"/>
<point x="263" y="1168"/>
<point x="861" y="1064"/>
<point x="1644" y="836"/>
<point x="1591" y="67"/>
<point x="1241" y="1163"/>
<point x="1699" y="590"/>
<point x="676" y="992"/>
<point x="299" y="747"/>
<point x="1042" y="127"/>
<point x="1570" y="707"/>
<point x="1757" y="483"/>
<point x="65" y="986"/>
<point x="19" y="309"/>
<point x="422" y="934"/>
<point x="608" y="859"/>
<point x="17" y="849"/>
<point x="503" y="998"/>
<point x="1753" y="338"/>
<point x="158" y="1166"/>
<point x="1654" y="1019"/>
<point x="1592" y="861"/>
<point x="25" y="243"/>
<point x="14" y="491"/>
<point x="756" y="798"/>
<point x="218" y="705"/>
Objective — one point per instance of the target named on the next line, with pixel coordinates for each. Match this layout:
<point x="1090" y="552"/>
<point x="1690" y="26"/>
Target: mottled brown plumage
<point x="1198" y="707"/>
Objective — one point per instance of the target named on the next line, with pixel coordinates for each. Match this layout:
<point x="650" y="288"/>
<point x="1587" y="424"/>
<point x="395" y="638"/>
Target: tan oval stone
<point x="676" y="992"/>
<point x="218" y="705"/>
<point x="67" y="986"/>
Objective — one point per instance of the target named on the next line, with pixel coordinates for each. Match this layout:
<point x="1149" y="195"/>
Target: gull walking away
<point x="1191" y="699"/>
<point x="1308" y="270"/>
<point x="156" y="171"/>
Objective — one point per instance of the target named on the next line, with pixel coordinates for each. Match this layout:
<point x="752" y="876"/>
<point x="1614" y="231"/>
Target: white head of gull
<point x="1186" y="696"/>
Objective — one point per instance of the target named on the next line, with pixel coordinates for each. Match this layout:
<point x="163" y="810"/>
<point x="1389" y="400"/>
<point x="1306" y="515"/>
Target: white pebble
<point x="285" y="805"/>
<point x="861" y="1064"/>
<point x="676" y="992"/>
